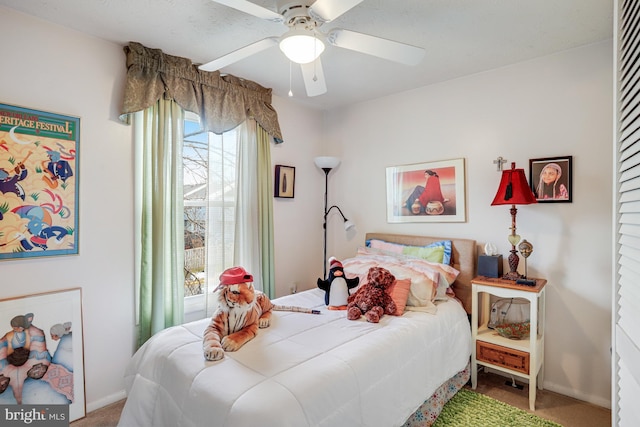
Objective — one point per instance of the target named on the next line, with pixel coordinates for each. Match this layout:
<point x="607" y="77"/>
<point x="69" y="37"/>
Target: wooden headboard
<point x="463" y="259"/>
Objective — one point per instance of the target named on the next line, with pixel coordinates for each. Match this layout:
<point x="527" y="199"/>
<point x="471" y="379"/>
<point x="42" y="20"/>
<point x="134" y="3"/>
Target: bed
<point x="312" y="370"/>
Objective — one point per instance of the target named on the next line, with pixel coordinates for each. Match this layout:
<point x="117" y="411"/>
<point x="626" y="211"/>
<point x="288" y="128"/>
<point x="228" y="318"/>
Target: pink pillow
<point x="386" y="246"/>
<point x="400" y="293"/>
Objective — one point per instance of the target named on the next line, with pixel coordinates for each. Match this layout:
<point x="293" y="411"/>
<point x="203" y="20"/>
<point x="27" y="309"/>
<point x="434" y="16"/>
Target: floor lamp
<point x="513" y="190"/>
<point x="326" y="164"/>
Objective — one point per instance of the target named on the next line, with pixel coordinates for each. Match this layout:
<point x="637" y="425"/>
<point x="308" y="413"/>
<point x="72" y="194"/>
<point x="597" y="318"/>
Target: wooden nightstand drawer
<point x="502" y="356"/>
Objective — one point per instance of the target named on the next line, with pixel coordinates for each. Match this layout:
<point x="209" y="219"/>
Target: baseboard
<point x="605" y="403"/>
<point x="105" y="401"/>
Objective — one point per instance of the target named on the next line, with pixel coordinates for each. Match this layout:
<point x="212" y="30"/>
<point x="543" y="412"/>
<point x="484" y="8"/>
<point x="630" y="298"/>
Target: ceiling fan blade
<point x="376" y="46"/>
<point x="252" y="9"/>
<point x="239" y="54"/>
<point x="328" y="10"/>
<point x="313" y="76"/>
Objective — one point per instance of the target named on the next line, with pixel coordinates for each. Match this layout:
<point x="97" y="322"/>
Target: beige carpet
<point x="556" y="407"/>
<point x="563" y="410"/>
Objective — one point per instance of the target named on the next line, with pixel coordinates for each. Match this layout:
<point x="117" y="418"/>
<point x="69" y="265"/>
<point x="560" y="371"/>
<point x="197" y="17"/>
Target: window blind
<point x="626" y="333"/>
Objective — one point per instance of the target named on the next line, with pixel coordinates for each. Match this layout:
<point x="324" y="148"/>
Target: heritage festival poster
<point x="38" y="183"/>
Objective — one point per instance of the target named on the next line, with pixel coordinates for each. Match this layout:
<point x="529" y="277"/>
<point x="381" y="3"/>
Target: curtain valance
<point x="222" y="102"/>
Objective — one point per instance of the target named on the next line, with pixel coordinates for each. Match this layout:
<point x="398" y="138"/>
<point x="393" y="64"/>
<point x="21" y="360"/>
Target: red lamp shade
<point x="514" y="189"/>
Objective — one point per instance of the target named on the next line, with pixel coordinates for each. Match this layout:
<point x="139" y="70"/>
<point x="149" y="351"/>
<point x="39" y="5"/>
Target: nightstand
<point x="522" y="358"/>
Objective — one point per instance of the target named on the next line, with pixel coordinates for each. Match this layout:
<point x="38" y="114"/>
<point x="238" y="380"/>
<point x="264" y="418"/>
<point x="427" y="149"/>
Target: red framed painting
<point x="427" y="192"/>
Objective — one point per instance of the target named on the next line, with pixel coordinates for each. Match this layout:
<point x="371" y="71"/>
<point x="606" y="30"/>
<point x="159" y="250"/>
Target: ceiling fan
<point x="303" y="42"/>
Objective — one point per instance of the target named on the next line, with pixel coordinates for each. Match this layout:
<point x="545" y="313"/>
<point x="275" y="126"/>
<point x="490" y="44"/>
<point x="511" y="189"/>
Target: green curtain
<point x="161" y="281"/>
<point x="265" y="212"/>
<point x="254" y="247"/>
<point x="158" y="89"/>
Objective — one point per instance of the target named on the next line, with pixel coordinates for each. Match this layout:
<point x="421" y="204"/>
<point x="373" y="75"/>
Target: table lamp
<point x="513" y="190"/>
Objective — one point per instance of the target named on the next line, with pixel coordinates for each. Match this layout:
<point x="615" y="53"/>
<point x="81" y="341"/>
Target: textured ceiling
<point x="461" y="37"/>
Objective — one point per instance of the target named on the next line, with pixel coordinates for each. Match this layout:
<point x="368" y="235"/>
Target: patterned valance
<point x="222" y="102"/>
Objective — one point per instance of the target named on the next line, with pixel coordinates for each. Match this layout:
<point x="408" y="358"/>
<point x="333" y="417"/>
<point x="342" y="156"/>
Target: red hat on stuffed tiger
<point x="234" y="276"/>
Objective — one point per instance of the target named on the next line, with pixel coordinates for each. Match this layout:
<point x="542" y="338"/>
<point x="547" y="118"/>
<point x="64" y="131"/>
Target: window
<point x="209" y="163"/>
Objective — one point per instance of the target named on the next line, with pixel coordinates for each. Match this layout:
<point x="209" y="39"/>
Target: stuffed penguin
<point x="337" y="286"/>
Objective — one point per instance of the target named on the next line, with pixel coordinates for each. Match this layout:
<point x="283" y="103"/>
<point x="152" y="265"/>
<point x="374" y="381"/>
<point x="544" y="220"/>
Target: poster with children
<point x="41" y="351"/>
<point x="38" y="183"/>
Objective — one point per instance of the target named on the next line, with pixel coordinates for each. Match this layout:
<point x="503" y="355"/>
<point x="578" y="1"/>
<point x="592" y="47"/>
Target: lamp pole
<point x="348" y="225"/>
<point x="324" y="224"/>
<point x="326" y="164"/>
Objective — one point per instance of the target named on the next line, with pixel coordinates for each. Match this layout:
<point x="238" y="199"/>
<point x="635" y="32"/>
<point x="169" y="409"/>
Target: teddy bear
<point x="337" y="286"/>
<point x="372" y="299"/>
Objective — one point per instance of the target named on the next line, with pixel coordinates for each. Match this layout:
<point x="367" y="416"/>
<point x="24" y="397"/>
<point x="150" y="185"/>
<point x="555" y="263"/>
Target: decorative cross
<point x="499" y="162"/>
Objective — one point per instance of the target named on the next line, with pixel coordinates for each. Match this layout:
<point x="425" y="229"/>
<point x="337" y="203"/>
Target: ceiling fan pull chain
<point x="315" y="44"/>
<point x="290" y="92"/>
<point x="315" y="61"/>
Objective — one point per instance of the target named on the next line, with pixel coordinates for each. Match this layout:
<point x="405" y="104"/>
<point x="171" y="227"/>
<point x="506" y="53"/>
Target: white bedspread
<point x="304" y="370"/>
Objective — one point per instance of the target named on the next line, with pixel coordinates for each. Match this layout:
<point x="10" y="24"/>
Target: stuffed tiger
<point x="241" y="311"/>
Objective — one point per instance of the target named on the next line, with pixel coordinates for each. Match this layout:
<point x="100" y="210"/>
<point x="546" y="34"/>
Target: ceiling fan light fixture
<point x="301" y="46"/>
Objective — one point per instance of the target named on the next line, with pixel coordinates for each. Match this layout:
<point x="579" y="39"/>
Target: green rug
<point x="468" y="408"/>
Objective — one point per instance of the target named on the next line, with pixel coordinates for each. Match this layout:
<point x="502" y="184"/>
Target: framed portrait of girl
<point x="551" y="179"/>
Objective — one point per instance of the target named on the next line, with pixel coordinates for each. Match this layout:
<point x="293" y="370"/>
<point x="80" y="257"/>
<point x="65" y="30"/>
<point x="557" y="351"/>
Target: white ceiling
<point x="461" y="37"/>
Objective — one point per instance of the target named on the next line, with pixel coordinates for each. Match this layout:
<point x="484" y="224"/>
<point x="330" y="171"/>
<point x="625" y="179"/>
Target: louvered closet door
<point x="626" y="369"/>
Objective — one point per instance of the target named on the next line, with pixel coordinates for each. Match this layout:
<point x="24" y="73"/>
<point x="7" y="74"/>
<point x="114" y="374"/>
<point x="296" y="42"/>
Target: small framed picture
<point x="551" y="179"/>
<point x="285" y="181"/>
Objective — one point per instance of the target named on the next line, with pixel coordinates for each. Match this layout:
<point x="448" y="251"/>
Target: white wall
<point x="57" y="70"/>
<point x="298" y="221"/>
<point x="558" y="105"/>
<point x="553" y="106"/>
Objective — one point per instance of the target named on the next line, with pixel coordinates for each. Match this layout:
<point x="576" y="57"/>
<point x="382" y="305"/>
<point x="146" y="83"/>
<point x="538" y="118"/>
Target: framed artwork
<point x="41" y="352"/>
<point x="427" y="192"/>
<point x="551" y="179"/>
<point x="39" y="153"/>
<point x="285" y="181"/>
